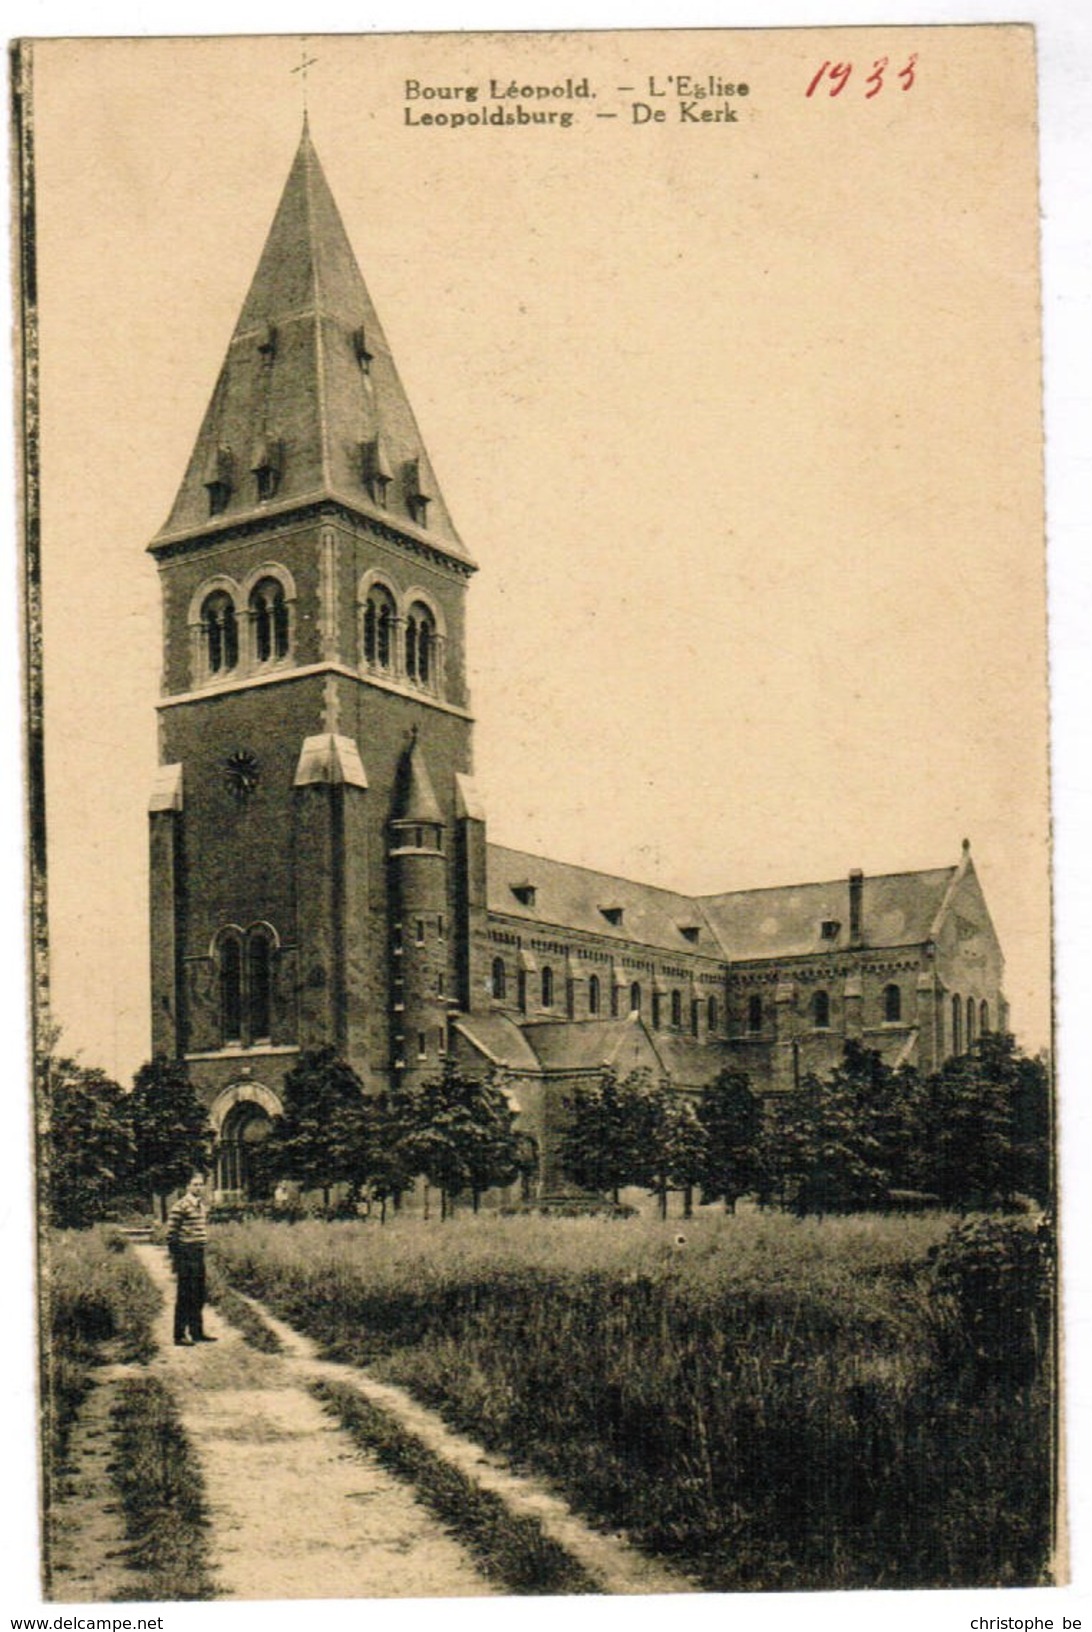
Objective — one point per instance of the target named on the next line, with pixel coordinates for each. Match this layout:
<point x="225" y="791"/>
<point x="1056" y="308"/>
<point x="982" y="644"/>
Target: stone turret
<point x="422" y="965"/>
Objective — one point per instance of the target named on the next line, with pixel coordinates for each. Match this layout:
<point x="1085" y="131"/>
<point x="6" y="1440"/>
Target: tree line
<point x="107" y="1150"/>
<point x="976" y="1133"/>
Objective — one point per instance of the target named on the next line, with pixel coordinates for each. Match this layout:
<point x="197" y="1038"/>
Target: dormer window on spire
<point x="267" y="343"/>
<point x="417" y="500"/>
<point x="219" y="479"/>
<point x="375" y="470"/>
<point x="266" y="466"/>
<point x="360" y="350"/>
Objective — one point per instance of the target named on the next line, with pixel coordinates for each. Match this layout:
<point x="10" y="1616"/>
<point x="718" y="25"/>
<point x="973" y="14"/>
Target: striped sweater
<point x="187" y="1225"/>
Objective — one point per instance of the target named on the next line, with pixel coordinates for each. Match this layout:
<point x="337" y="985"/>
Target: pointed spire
<point x="417" y="801"/>
<point x="309" y="356"/>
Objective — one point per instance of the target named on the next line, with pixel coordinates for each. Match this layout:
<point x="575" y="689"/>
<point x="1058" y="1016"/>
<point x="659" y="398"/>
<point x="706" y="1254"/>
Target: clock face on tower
<point x="241" y="772"/>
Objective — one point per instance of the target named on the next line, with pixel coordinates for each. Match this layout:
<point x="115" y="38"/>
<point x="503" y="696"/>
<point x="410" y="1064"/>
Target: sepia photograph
<point x="536" y="732"/>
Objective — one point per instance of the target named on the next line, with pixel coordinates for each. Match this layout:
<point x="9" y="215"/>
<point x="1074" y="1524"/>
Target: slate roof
<point x="574" y="898"/>
<point x="307" y="389"/>
<point x="898" y="909"/>
<point x="587" y="1045"/>
<point x="499" y="1039"/>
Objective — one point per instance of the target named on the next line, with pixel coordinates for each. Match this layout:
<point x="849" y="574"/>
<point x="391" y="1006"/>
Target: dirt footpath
<point x="297" y="1510"/>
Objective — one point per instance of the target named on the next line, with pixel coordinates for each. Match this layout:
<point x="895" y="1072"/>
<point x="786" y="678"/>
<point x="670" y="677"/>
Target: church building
<point x="320" y="867"/>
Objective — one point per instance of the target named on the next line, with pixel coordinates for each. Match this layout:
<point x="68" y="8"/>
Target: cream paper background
<point x="742" y="425"/>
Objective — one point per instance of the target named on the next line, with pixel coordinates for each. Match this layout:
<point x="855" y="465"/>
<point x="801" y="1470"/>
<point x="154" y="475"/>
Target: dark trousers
<point x="190" y="1296"/>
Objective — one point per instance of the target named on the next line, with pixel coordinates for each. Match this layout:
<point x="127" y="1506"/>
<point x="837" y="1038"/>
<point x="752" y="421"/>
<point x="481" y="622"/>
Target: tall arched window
<point x="635" y="997"/>
<point x="521" y="991"/>
<point x="570" y="997"/>
<point x="231" y="989"/>
<point x="695" y="1018"/>
<point x="420" y="644"/>
<point x="676" y="1008"/>
<point x="547" y="987"/>
<point x="971" y="1017"/>
<point x="892" y="1003"/>
<point x="983" y="1018"/>
<point x="593" y="994"/>
<point x="221" y="633"/>
<point x="269" y="621"/>
<point x="379" y="622"/>
<point x="655" y="1010"/>
<point x="820" y="1010"/>
<point x="957" y="1025"/>
<point x="498" y="980"/>
<point x="754" y="1013"/>
<point x="714" y="1017"/>
<point x="259" y="984"/>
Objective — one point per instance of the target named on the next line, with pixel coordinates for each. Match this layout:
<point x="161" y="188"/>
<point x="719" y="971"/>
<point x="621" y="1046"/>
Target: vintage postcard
<point x="539" y="823"/>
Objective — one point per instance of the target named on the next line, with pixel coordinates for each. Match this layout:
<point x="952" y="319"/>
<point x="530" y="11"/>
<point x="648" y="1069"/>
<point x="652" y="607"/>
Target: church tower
<point x="314" y="720"/>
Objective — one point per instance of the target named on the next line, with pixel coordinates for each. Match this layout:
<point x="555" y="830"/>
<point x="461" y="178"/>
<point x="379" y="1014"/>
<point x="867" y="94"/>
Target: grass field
<point x="771" y="1403"/>
<point x="101" y="1308"/>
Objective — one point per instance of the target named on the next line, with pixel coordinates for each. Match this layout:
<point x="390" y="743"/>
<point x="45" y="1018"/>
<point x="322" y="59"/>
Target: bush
<point x="992" y="1288"/>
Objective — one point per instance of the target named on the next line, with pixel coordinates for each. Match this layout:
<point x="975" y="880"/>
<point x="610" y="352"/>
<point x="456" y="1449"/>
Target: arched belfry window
<point x="676" y="1008"/>
<point x="259" y="984"/>
<point x="957" y="1024"/>
<point x="245" y="972"/>
<point x="421" y="645"/>
<point x="972" y="1016"/>
<point x="820" y="1010"/>
<point x="593" y="994"/>
<point x="269" y="621"/>
<point x="231" y="988"/>
<point x="498" y="983"/>
<point x="754" y="1012"/>
<point x="635" y="997"/>
<point x="714" y="1017"/>
<point x="379" y="626"/>
<point x="220" y="633"/>
<point x="983" y="1018"/>
<point x="547" y="988"/>
<point x="892" y="1003"/>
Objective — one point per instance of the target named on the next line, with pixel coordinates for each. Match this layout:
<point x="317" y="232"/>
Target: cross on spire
<point x="301" y="68"/>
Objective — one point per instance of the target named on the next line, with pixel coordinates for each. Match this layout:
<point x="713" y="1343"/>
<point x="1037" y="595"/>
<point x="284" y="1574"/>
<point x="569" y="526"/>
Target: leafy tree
<point x="171" y="1131"/>
<point x="605" y="1144"/>
<point x="677" y="1147"/>
<point x="461" y="1136"/>
<point x="89" y="1144"/>
<point x="391" y="1120"/>
<point x="731" y="1117"/>
<point x="825" y="1145"/>
<point x="984" y="1126"/>
<point x="322" y="1138"/>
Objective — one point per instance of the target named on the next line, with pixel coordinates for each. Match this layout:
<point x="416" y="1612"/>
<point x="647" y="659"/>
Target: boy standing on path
<point x="187" y="1232"/>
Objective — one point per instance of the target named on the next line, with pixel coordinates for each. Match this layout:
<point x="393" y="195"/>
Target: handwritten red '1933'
<point x="838" y="74"/>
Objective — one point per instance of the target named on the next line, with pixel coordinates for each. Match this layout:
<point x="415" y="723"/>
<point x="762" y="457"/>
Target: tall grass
<point x="163" y="1496"/>
<point x="99" y="1305"/>
<point x="764" y="1400"/>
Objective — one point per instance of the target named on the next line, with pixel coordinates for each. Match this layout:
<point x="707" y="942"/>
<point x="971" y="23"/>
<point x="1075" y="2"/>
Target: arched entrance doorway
<point x="243" y="1119"/>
